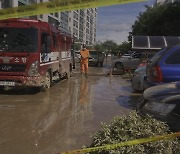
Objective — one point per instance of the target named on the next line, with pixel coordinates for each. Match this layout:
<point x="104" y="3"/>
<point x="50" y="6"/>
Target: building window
<point x="87" y="18"/>
<point x="88" y="13"/>
<point x="75" y="24"/>
<point x="75" y="15"/>
<point x="87" y="24"/>
<point x="82" y="13"/>
<point x="75" y="32"/>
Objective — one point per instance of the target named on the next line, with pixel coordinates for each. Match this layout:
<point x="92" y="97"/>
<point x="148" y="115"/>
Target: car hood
<point x="162" y="91"/>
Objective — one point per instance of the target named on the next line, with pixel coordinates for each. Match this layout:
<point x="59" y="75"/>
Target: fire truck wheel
<point x="47" y="82"/>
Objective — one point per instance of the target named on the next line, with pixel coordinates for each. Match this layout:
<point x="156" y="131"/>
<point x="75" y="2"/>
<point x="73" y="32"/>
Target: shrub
<point x="133" y="126"/>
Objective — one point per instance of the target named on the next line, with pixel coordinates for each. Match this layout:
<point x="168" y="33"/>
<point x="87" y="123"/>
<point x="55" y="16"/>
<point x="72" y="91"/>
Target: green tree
<point x="110" y="46"/>
<point x="132" y="127"/>
<point x="99" y="46"/>
<point x="161" y="20"/>
<point x="124" y="47"/>
<point x="107" y="46"/>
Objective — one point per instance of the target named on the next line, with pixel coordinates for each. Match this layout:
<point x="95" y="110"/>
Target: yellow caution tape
<point x="127" y="143"/>
<point x="57" y="6"/>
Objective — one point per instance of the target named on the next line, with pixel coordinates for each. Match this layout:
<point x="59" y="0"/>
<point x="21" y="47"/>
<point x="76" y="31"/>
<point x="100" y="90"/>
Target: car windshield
<point x="93" y="52"/>
<point x="18" y="39"/>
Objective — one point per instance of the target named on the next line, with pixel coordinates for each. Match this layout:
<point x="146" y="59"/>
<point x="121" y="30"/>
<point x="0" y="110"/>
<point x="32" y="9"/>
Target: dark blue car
<point x="163" y="103"/>
<point x="164" y="66"/>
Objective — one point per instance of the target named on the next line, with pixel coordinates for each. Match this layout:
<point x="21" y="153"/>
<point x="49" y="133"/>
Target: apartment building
<point x="81" y="24"/>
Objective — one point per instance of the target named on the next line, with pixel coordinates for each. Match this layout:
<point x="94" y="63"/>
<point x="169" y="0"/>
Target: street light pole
<point x="73" y="52"/>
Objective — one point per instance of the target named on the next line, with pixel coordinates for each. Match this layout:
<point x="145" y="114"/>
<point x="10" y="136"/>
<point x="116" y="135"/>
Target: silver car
<point x="138" y="80"/>
<point x="126" y="56"/>
<point x="127" y="63"/>
<point x="132" y="62"/>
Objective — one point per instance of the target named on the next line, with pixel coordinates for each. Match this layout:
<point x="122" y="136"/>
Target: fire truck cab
<point x="33" y="53"/>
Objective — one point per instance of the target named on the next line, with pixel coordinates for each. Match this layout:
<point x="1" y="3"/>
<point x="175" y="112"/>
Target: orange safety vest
<point x="84" y="55"/>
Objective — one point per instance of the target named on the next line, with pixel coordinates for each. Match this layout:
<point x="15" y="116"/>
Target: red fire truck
<point x="33" y="53"/>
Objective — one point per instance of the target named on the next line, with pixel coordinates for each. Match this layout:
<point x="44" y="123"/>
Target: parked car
<point x="139" y="78"/>
<point x="96" y="58"/>
<point x="127" y="55"/>
<point x="132" y="62"/>
<point x="139" y="81"/>
<point x="164" y="66"/>
<point x="163" y="103"/>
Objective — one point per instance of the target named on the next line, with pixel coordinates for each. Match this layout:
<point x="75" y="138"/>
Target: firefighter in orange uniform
<point x="84" y="60"/>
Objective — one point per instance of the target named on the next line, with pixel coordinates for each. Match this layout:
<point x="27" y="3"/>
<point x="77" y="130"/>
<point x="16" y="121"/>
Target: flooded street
<point x="63" y="118"/>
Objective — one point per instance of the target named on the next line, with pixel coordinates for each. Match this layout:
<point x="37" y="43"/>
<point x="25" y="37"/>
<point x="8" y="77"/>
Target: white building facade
<point x="81" y="24"/>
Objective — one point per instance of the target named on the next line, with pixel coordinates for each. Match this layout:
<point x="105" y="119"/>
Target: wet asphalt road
<point x="63" y="118"/>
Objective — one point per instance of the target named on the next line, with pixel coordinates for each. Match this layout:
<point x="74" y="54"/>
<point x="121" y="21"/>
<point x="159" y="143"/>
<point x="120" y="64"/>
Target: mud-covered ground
<point x="64" y="118"/>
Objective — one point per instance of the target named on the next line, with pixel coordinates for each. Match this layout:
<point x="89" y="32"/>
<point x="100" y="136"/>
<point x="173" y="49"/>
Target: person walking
<point x="84" y="60"/>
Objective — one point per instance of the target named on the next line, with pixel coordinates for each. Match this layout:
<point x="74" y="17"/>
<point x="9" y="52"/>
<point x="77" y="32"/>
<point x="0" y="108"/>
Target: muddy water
<point x="63" y="118"/>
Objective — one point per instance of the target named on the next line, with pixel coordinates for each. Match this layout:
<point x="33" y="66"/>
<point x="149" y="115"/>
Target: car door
<point x="135" y="60"/>
<point x="170" y="66"/>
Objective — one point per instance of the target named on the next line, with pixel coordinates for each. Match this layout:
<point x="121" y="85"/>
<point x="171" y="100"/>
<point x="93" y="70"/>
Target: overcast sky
<point x="114" y="22"/>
